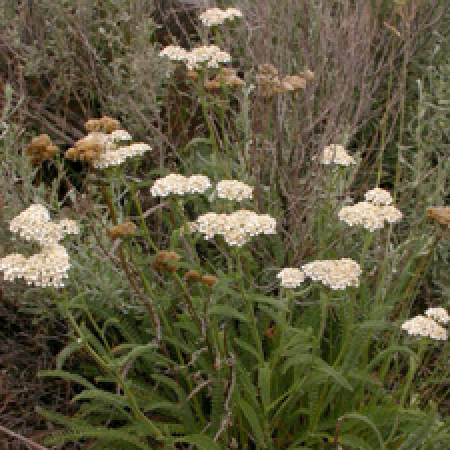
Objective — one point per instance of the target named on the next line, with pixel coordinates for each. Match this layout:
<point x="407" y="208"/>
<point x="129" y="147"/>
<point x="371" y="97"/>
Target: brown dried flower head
<point x="268" y="81"/>
<point x="88" y="148"/>
<point x="209" y="280"/>
<point x="41" y="149"/>
<point x="441" y="215"/>
<point x="228" y="77"/>
<point x="105" y="124"/>
<point x="122" y="230"/>
<point x="163" y="261"/>
<point x="192" y="276"/>
<point x="293" y="83"/>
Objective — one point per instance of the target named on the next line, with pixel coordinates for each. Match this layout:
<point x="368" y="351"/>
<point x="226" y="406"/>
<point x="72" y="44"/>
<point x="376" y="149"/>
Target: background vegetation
<point x="381" y="88"/>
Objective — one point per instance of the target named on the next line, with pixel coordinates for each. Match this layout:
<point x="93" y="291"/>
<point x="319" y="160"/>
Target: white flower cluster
<point x="234" y="190"/>
<point x="119" y="136"/>
<point x="174" y="53"/>
<point x="114" y="156"/>
<point x="48" y="267"/>
<point x="438" y="314"/>
<point x="210" y="56"/>
<point x="424" y="327"/>
<point x="236" y="228"/>
<point x="336" y="274"/>
<point x="33" y="224"/>
<point x="336" y="154"/>
<point x="291" y="277"/>
<point x="180" y="185"/>
<point x="372" y="213"/>
<point x="216" y="16"/>
<point x="378" y="196"/>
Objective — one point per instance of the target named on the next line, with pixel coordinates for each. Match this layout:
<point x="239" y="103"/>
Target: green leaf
<point x="227" y="311"/>
<point x="66" y="352"/>
<point x="339" y="378"/>
<point x="201" y="441"/>
<point x="253" y="420"/>
<point x="247" y="347"/>
<point x="66" y="376"/>
<point x="367" y="421"/>
<point x="264" y="375"/>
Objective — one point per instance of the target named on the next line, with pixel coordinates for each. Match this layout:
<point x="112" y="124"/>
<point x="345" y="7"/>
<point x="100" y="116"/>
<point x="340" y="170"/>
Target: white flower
<point x="13" y="266"/>
<point x="425" y="327"/>
<point x="438" y="314"/>
<point x="336" y="154"/>
<point x="198" y="184"/>
<point x="119" y="135"/>
<point x="208" y="55"/>
<point x="216" y="16"/>
<point x="291" y="277"/>
<point x="336" y="274"/>
<point x="390" y="213"/>
<point x="234" y="190"/>
<point x="174" y="53"/>
<point x="170" y="184"/>
<point x="117" y="156"/>
<point x="378" y="196"/>
<point x="28" y="224"/>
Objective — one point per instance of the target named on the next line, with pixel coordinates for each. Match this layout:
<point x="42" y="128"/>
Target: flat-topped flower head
<point x="370" y="216"/>
<point x="424" y="327"/>
<point x="170" y="184"/>
<point x="336" y="274"/>
<point x="438" y="314"/>
<point x="13" y="266"/>
<point x="119" y="136"/>
<point x="391" y="214"/>
<point x="174" y="53"/>
<point x="29" y="223"/>
<point x="363" y="214"/>
<point x="236" y="228"/>
<point x="198" y="184"/>
<point x="209" y="56"/>
<point x="234" y="190"/>
<point x="336" y="154"/>
<point x="291" y="277"/>
<point x="117" y="156"/>
<point x="47" y="268"/>
<point x="216" y="16"/>
<point x="378" y="196"/>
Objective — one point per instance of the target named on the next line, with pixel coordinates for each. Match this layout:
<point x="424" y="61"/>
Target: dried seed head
<point x="105" y="124"/>
<point x="293" y="83"/>
<point x="41" y="149"/>
<point x="163" y="261"/>
<point x="440" y="214"/>
<point x="192" y="276"/>
<point x="209" y="280"/>
<point x="88" y="148"/>
<point x="122" y="230"/>
<point x="268" y="81"/>
<point x="228" y="77"/>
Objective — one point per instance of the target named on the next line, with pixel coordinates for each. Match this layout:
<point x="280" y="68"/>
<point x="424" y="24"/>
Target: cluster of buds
<point x="269" y="82"/>
<point x="41" y="149"/>
<point x="226" y="77"/>
<point x="123" y="230"/>
<point x="105" y="125"/>
<point x="165" y="261"/>
<point x="193" y="276"/>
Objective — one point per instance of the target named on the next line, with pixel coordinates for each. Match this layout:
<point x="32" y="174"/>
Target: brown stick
<point x="23" y="439"/>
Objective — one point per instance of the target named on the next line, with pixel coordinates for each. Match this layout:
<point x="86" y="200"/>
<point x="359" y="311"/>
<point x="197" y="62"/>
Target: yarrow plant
<point x="50" y="266"/>
<point x="234" y="190"/>
<point x="175" y="184"/>
<point x="336" y="154"/>
<point x="425" y="327"/>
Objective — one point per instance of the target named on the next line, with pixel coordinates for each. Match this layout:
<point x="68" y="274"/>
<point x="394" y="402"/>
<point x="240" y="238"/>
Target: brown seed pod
<point x="293" y="83"/>
<point x="163" y="259"/>
<point x="41" y="149"/>
<point x="209" y="280"/>
<point x="122" y="230"/>
<point x="192" y="276"/>
<point x="440" y="214"/>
